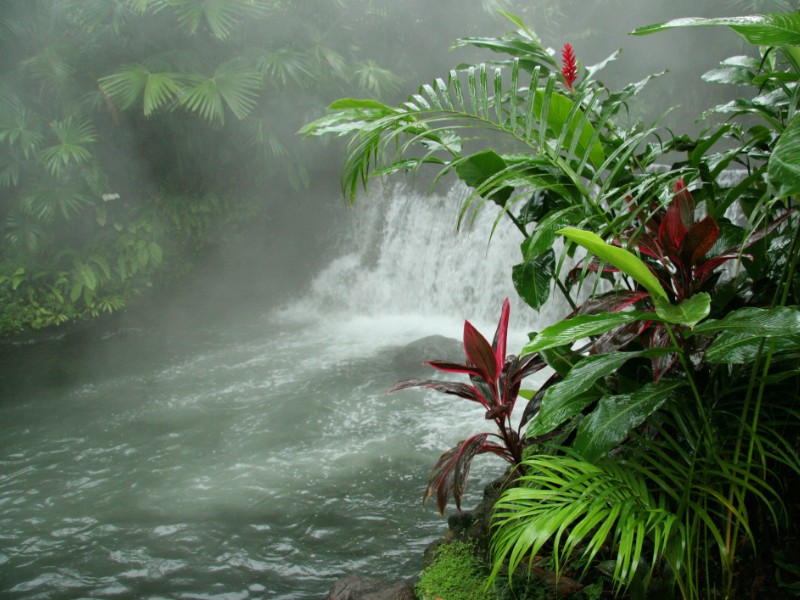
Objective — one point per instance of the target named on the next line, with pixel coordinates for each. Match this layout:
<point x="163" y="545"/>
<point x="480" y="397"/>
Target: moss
<point x="456" y="573"/>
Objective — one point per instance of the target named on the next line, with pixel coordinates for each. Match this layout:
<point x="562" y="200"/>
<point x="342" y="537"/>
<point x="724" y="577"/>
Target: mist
<point x="198" y="331"/>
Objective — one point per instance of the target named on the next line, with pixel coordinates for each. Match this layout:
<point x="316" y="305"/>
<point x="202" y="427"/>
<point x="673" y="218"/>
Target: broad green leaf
<point x="576" y="328"/>
<point x="757" y="322"/>
<point x="533" y="279"/>
<point x="761" y="30"/>
<point x="544" y="234"/>
<point x="558" y="112"/>
<point x="566" y="398"/>
<point x="615" y="416"/>
<point x="784" y="162"/>
<point x="345" y="103"/>
<point x="625" y="261"/>
<point x="689" y="312"/>
<point x="734" y="348"/>
<point x="477" y="170"/>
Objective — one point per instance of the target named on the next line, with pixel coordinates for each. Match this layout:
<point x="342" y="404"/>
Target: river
<point x="262" y="457"/>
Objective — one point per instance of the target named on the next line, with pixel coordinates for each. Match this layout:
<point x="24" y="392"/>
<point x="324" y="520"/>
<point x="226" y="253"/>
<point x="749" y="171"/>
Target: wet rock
<point x="355" y="587"/>
<point x="408" y="359"/>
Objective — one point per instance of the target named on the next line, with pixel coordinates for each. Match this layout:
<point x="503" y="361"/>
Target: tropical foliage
<point x="663" y="447"/>
<point x="133" y="133"/>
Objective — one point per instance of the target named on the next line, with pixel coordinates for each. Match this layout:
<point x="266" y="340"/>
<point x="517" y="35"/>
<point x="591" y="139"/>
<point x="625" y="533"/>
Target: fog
<point x="201" y="331"/>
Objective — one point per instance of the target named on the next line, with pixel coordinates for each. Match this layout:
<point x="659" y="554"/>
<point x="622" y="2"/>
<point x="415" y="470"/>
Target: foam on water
<point x="269" y="461"/>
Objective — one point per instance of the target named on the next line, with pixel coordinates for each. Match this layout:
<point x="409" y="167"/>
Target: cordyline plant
<point x="495" y="380"/>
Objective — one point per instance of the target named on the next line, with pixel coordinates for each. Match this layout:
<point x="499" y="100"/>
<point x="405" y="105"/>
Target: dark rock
<point x="408" y="360"/>
<point x="354" y="587"/>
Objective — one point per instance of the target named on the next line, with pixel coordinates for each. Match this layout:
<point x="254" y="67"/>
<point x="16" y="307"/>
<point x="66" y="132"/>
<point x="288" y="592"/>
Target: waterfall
<point x="403" y="255"/>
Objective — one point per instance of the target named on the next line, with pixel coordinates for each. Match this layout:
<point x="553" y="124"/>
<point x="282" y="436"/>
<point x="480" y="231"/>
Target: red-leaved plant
<point x="495" y="380"/>
<point x="677" y="248"/>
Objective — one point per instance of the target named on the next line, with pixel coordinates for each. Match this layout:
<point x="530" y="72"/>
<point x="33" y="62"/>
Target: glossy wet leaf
<point x="762" y="322"/>
<point x="615" y="416"/>
<point x="689" y="312"/>
<point x="761" y="30"/>
<point x="784" y="163"/>
<point x="557" y="109"/>
<point x="566" y="398"/>
<point x="576" y="328"/>
<point x="732" y="348"/>
<point x="449" y="476"/>
<point x="479" y="169"/>
<point x="625" y="261"/>
<point x="533" y="279"/>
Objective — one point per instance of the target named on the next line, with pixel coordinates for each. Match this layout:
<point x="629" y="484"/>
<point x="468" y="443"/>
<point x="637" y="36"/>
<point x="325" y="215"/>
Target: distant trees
<point x="132" y="130"/>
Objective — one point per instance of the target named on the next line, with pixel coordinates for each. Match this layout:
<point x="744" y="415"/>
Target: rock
<point x="354" y="587"/>
<point x="409" y="359"/>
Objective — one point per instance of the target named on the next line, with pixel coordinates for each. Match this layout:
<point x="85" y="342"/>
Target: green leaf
<point x="689" y="312"/>
<point x="757" y="322"/>
<point x="478" y="170"/>
<point x="558" y="108"/>
<point x="761" y="30"/>
<point x="345" y="103"/>
<point x="615" y="416"/>
<point x="544" y="234"/>
<point x="734" y="348"/>
<point x="533" y="278"/>
<point x="625" y="261"/>
<point x="566" y="398"/>
<point x="576" y="328"/>
<point x="784" y="162"/>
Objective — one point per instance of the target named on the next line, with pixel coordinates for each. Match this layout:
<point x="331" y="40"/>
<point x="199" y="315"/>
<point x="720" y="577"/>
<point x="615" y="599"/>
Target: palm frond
<point x="220" y="16"/>
<point x="232" y="85"/>
<point x="581" y="507"/>
<point x="72" y="135"/>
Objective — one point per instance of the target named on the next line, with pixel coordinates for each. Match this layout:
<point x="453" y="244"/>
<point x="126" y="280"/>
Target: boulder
<point x="355" y="587"/>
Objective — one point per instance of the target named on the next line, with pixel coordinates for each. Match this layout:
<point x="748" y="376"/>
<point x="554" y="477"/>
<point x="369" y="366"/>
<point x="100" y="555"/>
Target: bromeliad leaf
<point x="615" y="416"/>
<point x="622" y="259"/>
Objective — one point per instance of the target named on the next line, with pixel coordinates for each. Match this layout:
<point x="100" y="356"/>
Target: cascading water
<point x="260" y="460"/>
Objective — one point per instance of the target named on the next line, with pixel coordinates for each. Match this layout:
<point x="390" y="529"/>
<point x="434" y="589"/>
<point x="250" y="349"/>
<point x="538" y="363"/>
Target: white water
<point x="259" y="460"/>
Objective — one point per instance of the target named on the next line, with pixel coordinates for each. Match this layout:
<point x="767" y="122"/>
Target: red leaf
<point x="449" y="367"/>
<point x="698" y="241"/>
<point x="449" y="476"/>
<point x="684" y="201"/>
<point x="462" y="390"/>
<point x="480" y="353"/>
<point x="672" y="232"/>
<point x="500" y="337"/>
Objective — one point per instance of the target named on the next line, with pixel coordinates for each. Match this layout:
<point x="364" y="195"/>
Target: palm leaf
<point x="72" y="135"/>
<point x="574" y="503"/>
<point x="220" y="16"/>
<point x="232" y="85"/>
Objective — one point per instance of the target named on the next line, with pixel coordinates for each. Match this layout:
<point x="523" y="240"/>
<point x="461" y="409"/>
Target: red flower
<point x="570" y="68"/>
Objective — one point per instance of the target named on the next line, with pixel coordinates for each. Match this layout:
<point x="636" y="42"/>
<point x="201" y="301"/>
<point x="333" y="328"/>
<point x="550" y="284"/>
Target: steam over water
<point x="262" y="459"/>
